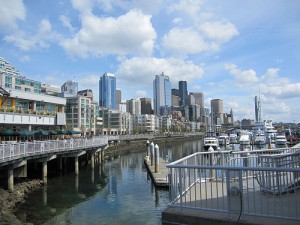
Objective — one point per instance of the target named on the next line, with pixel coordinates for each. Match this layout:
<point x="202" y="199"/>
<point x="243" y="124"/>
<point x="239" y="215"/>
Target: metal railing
<point x="241" y="184"/>
<point x="12" y="150"/>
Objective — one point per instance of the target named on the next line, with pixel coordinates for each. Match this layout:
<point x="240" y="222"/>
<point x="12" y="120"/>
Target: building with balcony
<point x="145" y="123"/>
<point x="23" y="107"/>
<point x="83" y="115"/>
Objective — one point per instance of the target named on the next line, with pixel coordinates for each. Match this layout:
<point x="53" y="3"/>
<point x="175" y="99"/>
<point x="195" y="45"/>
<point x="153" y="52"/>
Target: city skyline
<point x="228" y="50"/>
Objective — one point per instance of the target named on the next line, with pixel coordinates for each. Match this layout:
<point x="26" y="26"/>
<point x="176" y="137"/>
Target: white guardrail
<point x="262" y="183"/>
<point x="12" y="150"/>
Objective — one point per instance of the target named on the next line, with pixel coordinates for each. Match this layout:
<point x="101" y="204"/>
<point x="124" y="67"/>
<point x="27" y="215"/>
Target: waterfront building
<point x="166" y="122"/>
<point x="47" y="89"/>
<point x="182" y="92"/>
<point x="199" y="98"/>
<point x="83" y="114"/>
<point x="69" y="89"/>
<point x="123" y="107"/>
<point x="87" y="93"/>
<point x="111" y="121"/>
<point x="161" y="94"/>
<point x="107" y="91"/>
<point x="144" y="123"/>
<point x="217" y="111"/>
<point x="23" y="107"/>
<point x="146" y="106"/>
<point x="133" y="106"/>
<point x="126" y="123"/>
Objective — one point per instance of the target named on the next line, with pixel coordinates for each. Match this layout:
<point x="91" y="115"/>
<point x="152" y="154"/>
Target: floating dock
<point x="159" y="179"/>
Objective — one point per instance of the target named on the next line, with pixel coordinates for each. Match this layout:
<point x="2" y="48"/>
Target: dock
<point x="159" y="179"/>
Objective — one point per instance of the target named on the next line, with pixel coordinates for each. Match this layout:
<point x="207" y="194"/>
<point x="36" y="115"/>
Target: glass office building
<point x="161" y="94"/>
<point x="107" y="91"/>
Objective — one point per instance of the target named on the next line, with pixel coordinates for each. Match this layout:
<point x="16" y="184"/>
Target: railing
<point x="239" y="183"/>
<point x="13" y="150"/>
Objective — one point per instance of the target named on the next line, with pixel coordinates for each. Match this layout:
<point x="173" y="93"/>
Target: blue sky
<point x="226" y="49"/>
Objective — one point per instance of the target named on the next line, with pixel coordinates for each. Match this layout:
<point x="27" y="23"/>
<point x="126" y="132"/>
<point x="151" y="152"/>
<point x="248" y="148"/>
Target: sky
<point x="231" y="50"/>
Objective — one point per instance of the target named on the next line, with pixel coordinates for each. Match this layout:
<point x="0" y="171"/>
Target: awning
<point x="71" y="132"/>
<point x="9" y="133"/>
<point x="26" y="133"/>
<point x="61" y="132"/>
<point x="52" y="132"/>
<point x="41" y="133"/>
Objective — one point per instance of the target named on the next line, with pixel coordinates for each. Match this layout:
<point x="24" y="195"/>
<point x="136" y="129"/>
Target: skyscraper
<point x="199" y="98"/>
<point x="146" y="106"/>
<point x="118" y="97"/>
<point x="69" y="89"/>
<point x="107" y="91"/>
<point x="217" y="111"/>
<point x="182" y="92"/>
<point x="161" y="94"/>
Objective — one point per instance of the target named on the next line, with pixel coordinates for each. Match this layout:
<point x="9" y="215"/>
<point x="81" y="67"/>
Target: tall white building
<point x="162" y="94"/>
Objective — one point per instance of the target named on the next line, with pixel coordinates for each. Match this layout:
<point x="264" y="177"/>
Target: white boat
<point x="280" y="139"/>
<point x="233" y="138"/>
<point x="210" y="140"/>
<point x="259" y="138"/>
<point x="223" y="139"/>
<point x="244" y="138"/>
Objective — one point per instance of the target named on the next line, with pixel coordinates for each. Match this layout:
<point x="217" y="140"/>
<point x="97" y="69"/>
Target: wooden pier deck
<point x="159" y="179"/>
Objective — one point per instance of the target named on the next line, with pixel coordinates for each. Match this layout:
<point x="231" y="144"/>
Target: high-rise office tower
<point x="199" y="98"/>
<point x="118" y="97"/>
<point x="146" y="106"/>
<point x="182" y="92"/>
<point x="161" y="94"/>
<point x="189" y="100"/>
<point x="175" y="91"/>
<point x="107" y="91"/>
<point x="217" y="111"/>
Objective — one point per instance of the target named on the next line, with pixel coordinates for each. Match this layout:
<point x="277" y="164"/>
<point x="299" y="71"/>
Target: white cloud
<point x="66" y="22"/>
<point x="142" y="70"/>
<point x="27" y="42"/>
<point x="140" y="94"/>
<point x="131" y="33"/>
<point x="191" y="7"/>
<point x="219" y="31"/>
<point x="243" y="77"/>
<point x="83" y="6"/>
<point x="186" y="41"/>
<point x="25" y="58"/>
<point x="10" y="12"/>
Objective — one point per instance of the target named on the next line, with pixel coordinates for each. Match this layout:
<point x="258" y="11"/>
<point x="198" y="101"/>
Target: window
<point x="27" y="90"/>
<point x="17" y="87"/>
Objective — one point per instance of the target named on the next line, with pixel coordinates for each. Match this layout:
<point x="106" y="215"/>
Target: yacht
<point x="244" y="138"/>
<point x="232" y="137"/>
<point x="223" y="139"/>
<point x="259" y="137"/>
<point x="210" y="140"/>
<point x="280" y="139"/>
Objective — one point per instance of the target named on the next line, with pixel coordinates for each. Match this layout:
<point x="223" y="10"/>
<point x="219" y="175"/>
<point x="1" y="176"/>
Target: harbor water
<point x="119" y="191"/>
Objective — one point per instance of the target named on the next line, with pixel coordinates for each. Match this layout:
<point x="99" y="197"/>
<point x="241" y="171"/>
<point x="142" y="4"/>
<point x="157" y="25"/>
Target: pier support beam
<point x="10" y="180"/>
<point x="45" y="172"/>
<point x="156" y="159"/>
<point x="152" y="153"/>
<point x="93" y="160"/>
<point x="76" y="165"/>
<point x="102" y="155"/>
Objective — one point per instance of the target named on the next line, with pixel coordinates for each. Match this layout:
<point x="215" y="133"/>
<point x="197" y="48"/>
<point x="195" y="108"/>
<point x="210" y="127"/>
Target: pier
<point x="246" y="187"/>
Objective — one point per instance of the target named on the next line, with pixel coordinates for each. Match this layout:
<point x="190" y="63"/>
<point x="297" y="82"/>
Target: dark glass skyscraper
<point x="107" y="91"/>
<point x="182" y="92"/>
